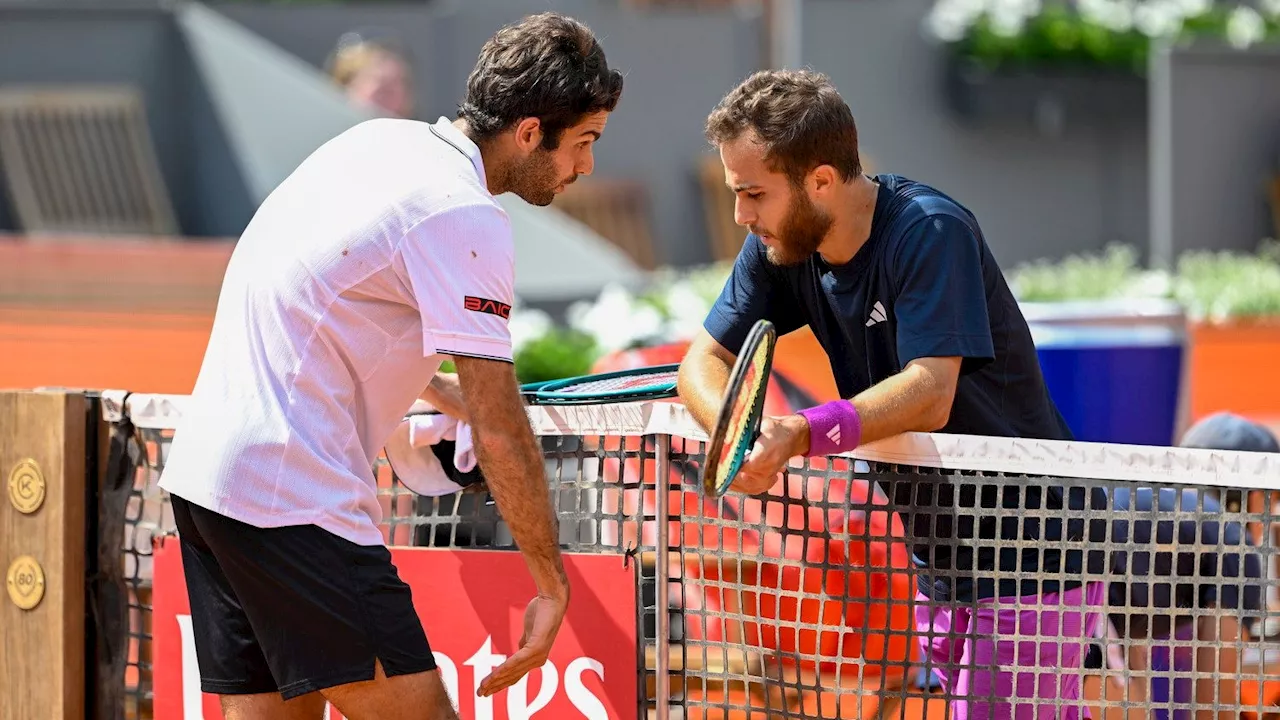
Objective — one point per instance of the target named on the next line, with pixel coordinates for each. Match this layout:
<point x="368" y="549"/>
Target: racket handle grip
<point x="834" y="427"/>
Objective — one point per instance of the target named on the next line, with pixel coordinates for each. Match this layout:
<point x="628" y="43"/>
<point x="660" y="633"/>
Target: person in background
<point x="375" y="71"/>
<point x="1229" y="582"/>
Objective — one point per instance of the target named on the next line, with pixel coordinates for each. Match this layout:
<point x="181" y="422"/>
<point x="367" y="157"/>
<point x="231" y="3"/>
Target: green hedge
<point x="1213" y="286"/>
<point x="1091" y="35"/>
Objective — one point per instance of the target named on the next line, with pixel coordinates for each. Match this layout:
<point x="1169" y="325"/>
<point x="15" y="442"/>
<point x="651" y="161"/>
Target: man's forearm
<point x="910" y="401"/>
<point x="444" y="393"/>
<point x="702" y="382"/>
<point x="508" y="457"/>
<point x="513" y="468"/>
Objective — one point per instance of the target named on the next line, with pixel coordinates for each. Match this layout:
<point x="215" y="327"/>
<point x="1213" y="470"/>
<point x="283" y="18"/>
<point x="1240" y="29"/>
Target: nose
<point x="586" y="164"/>
<point x="741" y="214"/>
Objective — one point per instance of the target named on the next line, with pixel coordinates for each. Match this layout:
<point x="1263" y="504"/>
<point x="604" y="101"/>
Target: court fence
<point x="1144" y="584"/>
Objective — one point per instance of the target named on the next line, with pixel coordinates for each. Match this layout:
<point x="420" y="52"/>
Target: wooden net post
<point x="44" y="462"/>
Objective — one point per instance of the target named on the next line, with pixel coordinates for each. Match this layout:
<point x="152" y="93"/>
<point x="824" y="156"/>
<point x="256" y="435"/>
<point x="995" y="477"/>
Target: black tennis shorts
<point x="292" y="609"/>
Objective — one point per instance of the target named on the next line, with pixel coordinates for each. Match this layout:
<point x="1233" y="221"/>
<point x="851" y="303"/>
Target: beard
<point x="801" y="232"/>
<point x="534" y="178"/>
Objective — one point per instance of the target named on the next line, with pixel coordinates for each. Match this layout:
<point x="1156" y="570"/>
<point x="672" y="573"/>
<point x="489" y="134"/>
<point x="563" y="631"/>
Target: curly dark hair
<point x="547" y="66"/>
<point x="799" y="118"/>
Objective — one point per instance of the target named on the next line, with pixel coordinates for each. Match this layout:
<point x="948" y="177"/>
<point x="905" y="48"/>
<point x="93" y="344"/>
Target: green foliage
<point x="1087" y="276"/>
<point x="560" y="353"/>
<point x="1056" y="39"/>
<point x="1213" y="286"/>
<point x="1060" y="38"/>
<point x="1217" y="286"/>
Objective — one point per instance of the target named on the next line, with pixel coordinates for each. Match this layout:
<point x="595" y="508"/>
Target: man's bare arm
<point x="511" y="461"/>
<point x="444" y="393"/>
<point x="918" y="399"/>
<point x="704" y="375"/>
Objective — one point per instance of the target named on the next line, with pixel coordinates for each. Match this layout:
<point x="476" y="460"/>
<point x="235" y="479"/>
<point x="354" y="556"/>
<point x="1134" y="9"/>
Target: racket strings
<point x="745" y="408"/>
<point x="630" y="382"/>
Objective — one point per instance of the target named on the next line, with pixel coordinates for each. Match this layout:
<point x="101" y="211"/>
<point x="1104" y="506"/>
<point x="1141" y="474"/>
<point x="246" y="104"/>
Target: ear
<point x="528" y="134"/>
<point x="822" y="179"/>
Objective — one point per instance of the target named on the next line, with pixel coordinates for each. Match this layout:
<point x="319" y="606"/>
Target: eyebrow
<point x="742" y="188"/>
<point x="595" y="134"/>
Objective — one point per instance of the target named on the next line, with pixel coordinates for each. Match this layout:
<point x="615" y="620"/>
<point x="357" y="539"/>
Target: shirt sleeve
<point x="941" y="301"/>
<point x="753" y="292"/>
<point x="460" y="265"/>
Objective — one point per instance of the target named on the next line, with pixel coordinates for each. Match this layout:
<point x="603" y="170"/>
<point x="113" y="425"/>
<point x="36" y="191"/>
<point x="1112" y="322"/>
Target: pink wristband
<point x="834" y="427"/>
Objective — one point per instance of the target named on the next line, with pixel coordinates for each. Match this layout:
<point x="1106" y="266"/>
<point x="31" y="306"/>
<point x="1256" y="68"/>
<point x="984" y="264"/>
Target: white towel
<point x="413" y="461"/>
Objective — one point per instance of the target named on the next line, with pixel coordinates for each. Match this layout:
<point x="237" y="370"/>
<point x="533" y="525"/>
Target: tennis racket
<point x="738" y="424"/>
<point x="655" y="382"/>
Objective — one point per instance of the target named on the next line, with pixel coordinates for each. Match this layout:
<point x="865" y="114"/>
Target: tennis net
<point x="807" y="602"/>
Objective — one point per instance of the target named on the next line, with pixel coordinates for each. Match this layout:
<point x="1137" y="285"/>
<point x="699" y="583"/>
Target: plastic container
<point x="1116" y="369"/>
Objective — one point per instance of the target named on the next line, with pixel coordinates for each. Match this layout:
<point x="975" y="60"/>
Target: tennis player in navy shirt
<point x="897" y="283"/>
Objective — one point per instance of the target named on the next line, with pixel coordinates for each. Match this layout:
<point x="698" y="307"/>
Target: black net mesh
<point x="1128" y="599"/>
<point x="589" y="479"/>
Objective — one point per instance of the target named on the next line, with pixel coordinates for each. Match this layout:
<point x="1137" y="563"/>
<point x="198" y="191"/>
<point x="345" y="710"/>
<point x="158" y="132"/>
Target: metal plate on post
<point x="26" y="486"/>
<point x="25" y="582"/>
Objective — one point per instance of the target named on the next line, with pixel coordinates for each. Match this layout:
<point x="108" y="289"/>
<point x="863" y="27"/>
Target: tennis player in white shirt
<point x="382" y="255"/>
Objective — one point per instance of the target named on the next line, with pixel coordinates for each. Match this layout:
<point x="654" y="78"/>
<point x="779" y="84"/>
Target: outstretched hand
<point x="542" y="620"/>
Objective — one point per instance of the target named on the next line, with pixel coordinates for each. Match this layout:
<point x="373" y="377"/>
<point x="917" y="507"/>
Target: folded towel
<point x="433" y="454"/>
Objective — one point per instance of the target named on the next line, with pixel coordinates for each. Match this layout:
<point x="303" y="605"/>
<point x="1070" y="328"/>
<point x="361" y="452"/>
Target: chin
<point x="782" y="258"/>
<point x="541" y="199"/>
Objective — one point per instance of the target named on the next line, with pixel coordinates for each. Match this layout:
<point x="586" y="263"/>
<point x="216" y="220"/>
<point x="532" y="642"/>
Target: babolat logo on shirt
<point x="485" y="305"/>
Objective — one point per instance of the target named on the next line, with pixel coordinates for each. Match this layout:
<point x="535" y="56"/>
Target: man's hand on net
<point x="541" y="623"/>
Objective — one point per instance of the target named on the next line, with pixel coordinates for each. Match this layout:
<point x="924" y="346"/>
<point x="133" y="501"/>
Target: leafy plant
<point x="1100" y="35"/>
<point x="1212" y="286"/>
<point x="1114" y="273"/>
<point x="559" y="353"/>
<point x="1217" y="286"/>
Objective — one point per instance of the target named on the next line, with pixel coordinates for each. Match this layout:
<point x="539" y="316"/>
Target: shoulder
<point x="460" y="216"/>
<point x="921" y="216"/>
<point x="913" y="202"/>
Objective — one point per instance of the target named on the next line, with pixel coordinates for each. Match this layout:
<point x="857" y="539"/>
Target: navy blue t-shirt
<point x="923" y="285"/>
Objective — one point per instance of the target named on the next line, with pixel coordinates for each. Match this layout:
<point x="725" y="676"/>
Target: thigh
<point x="323" y="608"/>
<point x="229" y="657"/>
<point x="271" y="706"/>
<point x="420" y="695"/>
<point x="1031" y="665"/>
<point x="939" y="632"/>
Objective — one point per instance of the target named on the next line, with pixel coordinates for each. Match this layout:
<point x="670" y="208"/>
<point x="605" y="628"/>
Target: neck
<point x="851" y="213"/>
<point x="491" y="156"/>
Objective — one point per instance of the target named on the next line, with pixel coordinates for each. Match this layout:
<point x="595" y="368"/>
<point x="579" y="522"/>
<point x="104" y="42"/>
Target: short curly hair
<point x="799" y="118"/>
<point x="548" y="66"/>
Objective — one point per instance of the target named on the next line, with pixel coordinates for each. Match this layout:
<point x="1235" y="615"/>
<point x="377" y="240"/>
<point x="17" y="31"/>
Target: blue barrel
<point x="1115" y="370"/>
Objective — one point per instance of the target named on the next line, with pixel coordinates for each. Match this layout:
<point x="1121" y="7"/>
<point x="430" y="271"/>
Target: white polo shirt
<point x="383" y="252"/>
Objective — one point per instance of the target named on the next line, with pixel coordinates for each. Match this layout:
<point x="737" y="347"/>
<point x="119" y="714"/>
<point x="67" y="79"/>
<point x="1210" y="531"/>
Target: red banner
<point x="472" y="604"/>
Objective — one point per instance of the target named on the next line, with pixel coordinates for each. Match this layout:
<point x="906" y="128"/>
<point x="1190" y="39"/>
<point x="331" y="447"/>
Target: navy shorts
<point x="293" y="609"/>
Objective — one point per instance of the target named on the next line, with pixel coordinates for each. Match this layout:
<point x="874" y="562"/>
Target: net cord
<point x="1056" y="458"/>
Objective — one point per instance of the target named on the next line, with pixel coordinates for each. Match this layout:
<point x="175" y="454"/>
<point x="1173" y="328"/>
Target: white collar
<point x="447" y="131"/>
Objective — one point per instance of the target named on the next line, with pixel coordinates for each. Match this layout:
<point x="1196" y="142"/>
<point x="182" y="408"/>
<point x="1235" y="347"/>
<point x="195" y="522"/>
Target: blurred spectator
<point x="1166" y="585"/>
<point x="374" y="69"/>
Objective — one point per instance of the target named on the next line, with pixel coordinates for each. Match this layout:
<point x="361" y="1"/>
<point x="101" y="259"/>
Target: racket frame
<point x="555" y="392"/>
<point x="762" y="333"/>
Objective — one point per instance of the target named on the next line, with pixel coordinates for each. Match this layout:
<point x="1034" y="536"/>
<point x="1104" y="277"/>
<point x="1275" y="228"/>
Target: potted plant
<point x="1232" y="301"/>
<point x="1085" y="60"/>
<point x="1112" y="344"/>
<point x="1217" y="316"/>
